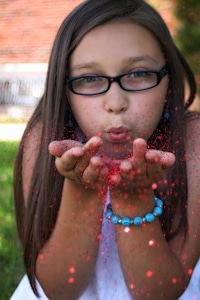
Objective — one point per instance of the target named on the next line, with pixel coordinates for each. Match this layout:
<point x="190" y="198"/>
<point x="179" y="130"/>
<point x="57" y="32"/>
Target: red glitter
<point x="174" y="280"/>
<point x="71" y="280"/>
<point x="149" y="274"/>
<point x="41" y="256"/>
<point x="72" y="270"/>
<point x="154" y="186"/>
<point x="151" y="243"/>
<point x="190" y="271"/>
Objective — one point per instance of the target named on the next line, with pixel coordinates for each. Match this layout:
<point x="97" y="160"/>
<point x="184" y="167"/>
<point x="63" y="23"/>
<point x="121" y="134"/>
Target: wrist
<point x="136" y="220"/>
<point x="132" y="203"/>
<point x="82" y="194"/>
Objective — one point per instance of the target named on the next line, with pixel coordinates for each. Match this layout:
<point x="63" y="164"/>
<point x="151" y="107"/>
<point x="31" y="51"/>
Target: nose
<point x="116" y="99"/>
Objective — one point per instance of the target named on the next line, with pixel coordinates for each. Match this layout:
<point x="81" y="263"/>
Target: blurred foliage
<point x="188" y="32"/>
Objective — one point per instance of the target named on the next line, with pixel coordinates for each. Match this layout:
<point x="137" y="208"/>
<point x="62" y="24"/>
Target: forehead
<point x="117" y="42"/>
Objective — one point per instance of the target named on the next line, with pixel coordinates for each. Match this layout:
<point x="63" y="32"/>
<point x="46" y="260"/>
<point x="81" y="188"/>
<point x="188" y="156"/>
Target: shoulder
<point x="192" y="146"/>
<point x="189" y="251"/>
<point x="192" y="156"/>
<point x="192" y="139"/>
<point x="31" y="147"/>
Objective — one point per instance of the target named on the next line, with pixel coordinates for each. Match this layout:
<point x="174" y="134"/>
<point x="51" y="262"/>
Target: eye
<point x="87" y="80"/>
<point x="139" y="74"/>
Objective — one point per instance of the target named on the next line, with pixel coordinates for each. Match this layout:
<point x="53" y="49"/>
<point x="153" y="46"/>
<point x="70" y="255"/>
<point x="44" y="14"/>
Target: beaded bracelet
<point x="137" y="221"/>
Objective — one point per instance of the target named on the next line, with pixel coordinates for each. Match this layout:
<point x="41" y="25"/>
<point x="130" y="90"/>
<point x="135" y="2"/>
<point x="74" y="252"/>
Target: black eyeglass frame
<point x="160" y="74"/>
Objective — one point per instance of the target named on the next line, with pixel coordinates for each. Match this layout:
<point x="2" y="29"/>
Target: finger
<point x="157" y="163"/>
<point x="138" y="159"/>
<point x="166" y="159"/>
<point x="90" y="149"/>
<point x="57" y="148"/>
<point x="93" y="170"/>
<point x="126" y="169"/>
<point x="69" y="159"/>
<point x="139" y="148"/>
<point x="93" y="145"/>
<point x="153" y="156"/>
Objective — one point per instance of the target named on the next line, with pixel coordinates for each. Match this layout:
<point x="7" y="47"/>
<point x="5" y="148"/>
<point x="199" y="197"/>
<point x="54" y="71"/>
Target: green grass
<point x="11" y="266"/>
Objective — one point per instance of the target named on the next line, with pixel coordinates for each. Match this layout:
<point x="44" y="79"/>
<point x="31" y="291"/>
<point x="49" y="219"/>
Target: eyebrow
<point x="90" y="65"/>
<point x="145" y="58"/>
<point x="83" y="66"/>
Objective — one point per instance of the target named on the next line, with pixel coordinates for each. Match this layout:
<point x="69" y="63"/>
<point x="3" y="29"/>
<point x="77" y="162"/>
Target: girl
<point x="108" y="144"/>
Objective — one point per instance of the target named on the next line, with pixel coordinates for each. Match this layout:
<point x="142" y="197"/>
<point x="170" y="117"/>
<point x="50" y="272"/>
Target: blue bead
<point x="126" y="221"/>
<point x="137" y="221"/>
<point x="70" y="123"/>
<point x="115" y="219"/>
<point x="109" y="214"/>
<point x="157" y="210"/>
<point x="167" y="115"/>
<point x="149" y="217"/>
<point x="158" y="202"/>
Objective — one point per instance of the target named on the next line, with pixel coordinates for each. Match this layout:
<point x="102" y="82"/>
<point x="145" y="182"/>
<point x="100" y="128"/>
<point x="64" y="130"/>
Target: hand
<point x="144" y="168"/>
<point x="79" y="162"/>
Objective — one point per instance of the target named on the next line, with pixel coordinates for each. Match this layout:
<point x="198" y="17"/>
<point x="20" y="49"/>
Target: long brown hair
<point x="36" y="222"/>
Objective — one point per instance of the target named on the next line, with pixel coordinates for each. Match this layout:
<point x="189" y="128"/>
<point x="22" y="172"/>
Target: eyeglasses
<point x="90" y="85"/>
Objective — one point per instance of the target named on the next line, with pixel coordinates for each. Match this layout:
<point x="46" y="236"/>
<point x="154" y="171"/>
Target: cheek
<point x="148" y="114"/>
<point x="87" y="116"/>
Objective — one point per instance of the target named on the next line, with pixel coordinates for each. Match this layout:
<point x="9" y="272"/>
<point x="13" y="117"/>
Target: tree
<point x="188" y="31"/>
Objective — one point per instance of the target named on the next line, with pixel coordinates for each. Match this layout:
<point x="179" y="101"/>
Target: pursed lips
<point x="117" y="134"/>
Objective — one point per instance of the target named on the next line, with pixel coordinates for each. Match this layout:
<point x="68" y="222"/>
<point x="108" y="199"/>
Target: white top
<point x="108" y="281"/>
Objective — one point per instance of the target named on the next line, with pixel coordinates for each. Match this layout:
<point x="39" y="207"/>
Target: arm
<point x="151" y="268"/>
<point x="66" y="262"/>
